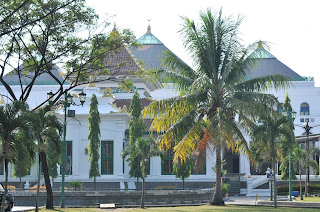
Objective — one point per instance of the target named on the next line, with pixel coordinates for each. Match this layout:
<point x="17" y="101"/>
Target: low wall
<point x="86" y="198"/>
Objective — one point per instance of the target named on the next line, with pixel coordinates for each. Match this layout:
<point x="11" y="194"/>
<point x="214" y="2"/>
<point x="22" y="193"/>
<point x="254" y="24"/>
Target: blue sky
<point x="291" y="27"/>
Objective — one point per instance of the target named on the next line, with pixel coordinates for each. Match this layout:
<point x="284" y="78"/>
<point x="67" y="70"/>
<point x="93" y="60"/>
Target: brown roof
<point x="122" y="63"/>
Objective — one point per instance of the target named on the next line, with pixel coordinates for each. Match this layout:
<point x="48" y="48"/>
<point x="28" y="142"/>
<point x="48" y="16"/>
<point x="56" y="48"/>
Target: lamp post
<point x="291" y="115"/>
<point x="68" y="100"/>
<point x="307" y="128"/>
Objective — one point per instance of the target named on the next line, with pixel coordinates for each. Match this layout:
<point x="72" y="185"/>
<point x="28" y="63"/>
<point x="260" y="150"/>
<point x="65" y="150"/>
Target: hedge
<point x="284" y="189"/>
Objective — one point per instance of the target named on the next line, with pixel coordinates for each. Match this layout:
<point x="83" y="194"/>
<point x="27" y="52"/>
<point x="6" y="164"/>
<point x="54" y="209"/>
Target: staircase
<point x="259" y="181"/>
<point x="234" y="187"/>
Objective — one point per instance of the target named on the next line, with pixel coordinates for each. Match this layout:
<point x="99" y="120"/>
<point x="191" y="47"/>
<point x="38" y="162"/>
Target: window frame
<point x="107" y="157"/>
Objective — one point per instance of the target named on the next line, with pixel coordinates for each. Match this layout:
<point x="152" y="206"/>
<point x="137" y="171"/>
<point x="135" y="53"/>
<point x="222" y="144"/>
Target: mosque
<point x="114" y="103"/>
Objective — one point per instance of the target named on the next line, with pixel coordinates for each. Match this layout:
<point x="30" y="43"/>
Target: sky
<point x="291" y="27"/>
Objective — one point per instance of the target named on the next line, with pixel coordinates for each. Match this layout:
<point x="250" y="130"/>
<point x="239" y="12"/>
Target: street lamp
<point x="289" y="115"/>
<point x="68" y="100"/>
<point x="307" y="128"/>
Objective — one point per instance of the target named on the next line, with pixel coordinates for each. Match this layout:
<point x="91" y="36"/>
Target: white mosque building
<point x="113" y="107"/>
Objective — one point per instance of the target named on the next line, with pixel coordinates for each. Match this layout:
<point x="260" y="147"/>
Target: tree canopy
<point x="38" y="37"/>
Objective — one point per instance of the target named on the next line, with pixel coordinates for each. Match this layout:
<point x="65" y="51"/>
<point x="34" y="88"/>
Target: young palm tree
<point x="11" y="121"/>
<point x="269" y="135"/>
<point x="216" y="101"/>
<point x="303" y="160"/>
<point x="46" y="125"/>
<point x="142" y="150"/>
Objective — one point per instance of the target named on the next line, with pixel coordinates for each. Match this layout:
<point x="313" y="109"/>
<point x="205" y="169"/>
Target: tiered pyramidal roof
<point x="267" y="64"/>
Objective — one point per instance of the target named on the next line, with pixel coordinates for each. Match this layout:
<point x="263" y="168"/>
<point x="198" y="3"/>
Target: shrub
<point x="76" y="185"/>
<point x="284" y="189"/>
<point x="166" y="187"/>
<point x="41" y="188"/>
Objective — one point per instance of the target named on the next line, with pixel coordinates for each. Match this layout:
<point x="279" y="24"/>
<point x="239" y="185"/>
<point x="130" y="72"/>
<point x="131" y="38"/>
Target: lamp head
<point x="82" y="97"/>
<point x="49" y="95"/>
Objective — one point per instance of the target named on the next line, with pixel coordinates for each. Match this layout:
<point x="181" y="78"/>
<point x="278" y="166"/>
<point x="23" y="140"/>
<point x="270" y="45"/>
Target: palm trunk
<point x="143" y="181"/>
<point x="4" y="196"/>
<point x="301" y="196"/>
<point x="94" y="183"/>
<point x="21" y="187"/>
<point x="49" y="204"/>
<point x="183" y="183"/>
<point x="217" y="197"/>
<point x="306" y="183"/>
<point x="275" y="183"/>
<point x="38" y="186"/>
<point x="137" y="187"/>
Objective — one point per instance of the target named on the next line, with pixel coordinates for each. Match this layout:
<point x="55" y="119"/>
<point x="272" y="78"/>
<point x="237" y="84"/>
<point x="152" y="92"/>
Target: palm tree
<point x="216" y="101"/>
<point x="269" y="136"/>
<point x="142" y="150"/>
<point x="11" y="121"/>
<point x="45" y="125"/>
<point x="302" y="160"/>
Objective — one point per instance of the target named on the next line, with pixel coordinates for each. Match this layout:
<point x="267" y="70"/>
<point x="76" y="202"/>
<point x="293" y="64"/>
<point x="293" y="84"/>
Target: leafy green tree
<point x="24" y="156"/>
<point x="302" y="160"/>
<point x="94" y="138"/>
<point x="136" y="129"/>
<point x="45" y="125"/>
<point x="216" y="100"/>
<point x="37" y="36"/>
<point x="269" y="136"/>
<point x="183" y="170"/>
<point x="142" y="150"/>
<point x="11" y="120"/>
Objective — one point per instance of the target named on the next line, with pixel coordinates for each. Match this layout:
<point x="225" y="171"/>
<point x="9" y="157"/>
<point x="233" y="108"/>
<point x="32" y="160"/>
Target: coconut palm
<point x="11" y="121"/>
<point x="302" y="160"/>
<point x="270" y="135"/>
<point x="46" y="125"/>
<point x="142" y="150"/>
<point x="216" y="101"/>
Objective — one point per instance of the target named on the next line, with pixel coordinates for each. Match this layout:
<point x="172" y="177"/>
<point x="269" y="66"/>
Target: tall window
<point x="167" y="163"/>
<point x="68" y="168"/>
<point x="304" y="109"/>
<point x="106" y="157"/>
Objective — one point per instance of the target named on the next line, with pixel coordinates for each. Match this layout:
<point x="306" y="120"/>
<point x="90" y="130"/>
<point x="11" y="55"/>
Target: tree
<point x="142" y="150"/>
<point x="45" y="126"/>
<point x="25" y="156"/>
<point x="136" y="129"/>
<point x="94" y="138"/>
<point x="216" y="101"/>
<point x="270" y="135"/>
<point x="183" y="170"/>
<point x="11" y="121"/>
<point x="302" y="160"/>
<point x="38" y="36"/>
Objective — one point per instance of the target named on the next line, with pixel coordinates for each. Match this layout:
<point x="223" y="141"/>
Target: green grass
<point x="203" y="208"/>
<point x="309" y="199"/>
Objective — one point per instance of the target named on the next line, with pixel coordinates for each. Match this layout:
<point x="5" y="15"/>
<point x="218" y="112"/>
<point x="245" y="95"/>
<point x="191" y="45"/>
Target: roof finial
<point x="260" y="45"/>
<point x="114" y="26"/>
<point x="149" y="27"/>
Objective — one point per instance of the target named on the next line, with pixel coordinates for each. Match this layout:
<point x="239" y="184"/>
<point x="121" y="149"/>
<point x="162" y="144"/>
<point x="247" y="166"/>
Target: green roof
<point x="149" y="38"/>
<point x="261" y="53"/>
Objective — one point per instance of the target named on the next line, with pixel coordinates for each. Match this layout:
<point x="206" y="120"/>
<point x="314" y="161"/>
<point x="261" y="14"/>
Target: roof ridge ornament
<point x="149" y="27"/>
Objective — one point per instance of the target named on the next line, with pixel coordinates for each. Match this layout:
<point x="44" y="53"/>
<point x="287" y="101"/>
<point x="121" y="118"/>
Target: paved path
<point x="23" y="208"/>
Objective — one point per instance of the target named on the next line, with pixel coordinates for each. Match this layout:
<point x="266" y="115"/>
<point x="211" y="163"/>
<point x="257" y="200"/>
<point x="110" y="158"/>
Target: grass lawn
<point x="203" y="208"/>
<point x="308" y="199"/>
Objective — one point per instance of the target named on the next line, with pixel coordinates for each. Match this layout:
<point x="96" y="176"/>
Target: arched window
<point x="304" y="109"/>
